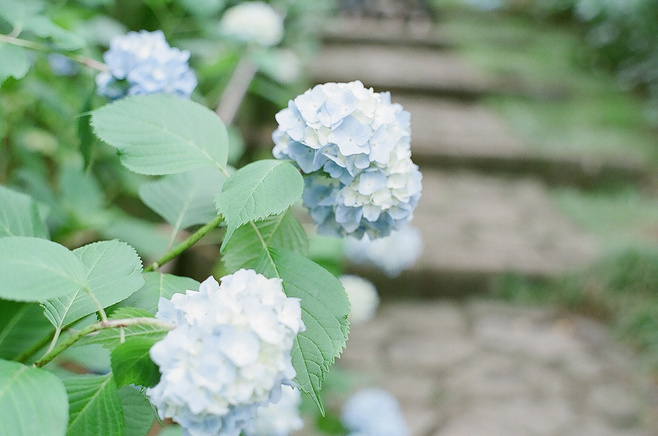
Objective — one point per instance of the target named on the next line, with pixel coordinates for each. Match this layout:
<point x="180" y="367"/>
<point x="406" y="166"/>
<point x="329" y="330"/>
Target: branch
<point x="187" y="243"/>
<point x="114" y="323"/>
<point x="91" y="63"/>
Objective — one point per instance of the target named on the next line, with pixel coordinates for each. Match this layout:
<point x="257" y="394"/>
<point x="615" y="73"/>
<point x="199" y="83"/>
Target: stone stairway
<point x="485" y="208"/>
<point x="467" y="366"/>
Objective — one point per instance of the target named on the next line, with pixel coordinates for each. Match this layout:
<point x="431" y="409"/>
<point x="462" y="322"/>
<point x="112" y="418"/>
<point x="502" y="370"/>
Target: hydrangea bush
<point x="88" y="282"/>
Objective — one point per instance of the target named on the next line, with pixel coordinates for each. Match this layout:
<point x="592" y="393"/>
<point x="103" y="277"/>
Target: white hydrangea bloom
<point x="253" y="22"/>
<point x="229" y="352"/>
<point x="353" y="145"/>
<point x="363" y="297"/>
<point x="373" y="412"/>
<point x="278" y="419"/>
<point x="392" y="254"/>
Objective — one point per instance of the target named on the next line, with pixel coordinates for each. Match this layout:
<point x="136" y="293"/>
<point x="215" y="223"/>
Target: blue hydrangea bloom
<point x="373" y="412"/>
<point x="144" y="63"/>
<point x="62" y="65"/>
<point x="228" y="355"/>
<point x="359" y="140"/>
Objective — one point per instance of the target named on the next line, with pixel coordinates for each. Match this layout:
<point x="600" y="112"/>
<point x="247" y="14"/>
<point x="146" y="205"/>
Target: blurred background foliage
<point x="46" y="146"/>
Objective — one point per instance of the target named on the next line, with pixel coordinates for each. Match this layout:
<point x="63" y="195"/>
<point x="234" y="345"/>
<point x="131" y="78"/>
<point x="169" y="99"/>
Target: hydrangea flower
<point x="144" y="63"/>
<point x="373" y="412"/>
<point x="353" y="145"/>
<point x="363" y="297"/>
<point x="228" y="354"/>
<point x="62" y="65"/>
<point x="253" y="22"/>
<point x="278" y="419"/>
<point x="392" y="254"/>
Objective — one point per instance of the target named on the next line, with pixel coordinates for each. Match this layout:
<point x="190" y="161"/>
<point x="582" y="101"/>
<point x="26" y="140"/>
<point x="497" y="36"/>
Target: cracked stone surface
<point x="488" y="368"/>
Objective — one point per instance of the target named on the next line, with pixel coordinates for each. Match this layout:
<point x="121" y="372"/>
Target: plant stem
<point x="113" y="323"/>
<point x="236" y="89"/>
<point x="191" y="240"/>
<point x="91" y="63"/>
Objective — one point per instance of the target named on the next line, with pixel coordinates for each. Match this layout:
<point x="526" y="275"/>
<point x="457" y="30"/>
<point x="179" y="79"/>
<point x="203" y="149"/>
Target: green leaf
<point x="21" y="326"/>
<point x="161" y="134"/>
<point x="324" y="311"/>
<point x="112" y="338"/>
<point x="258" y="190"/>
<point x="280" y="231"/>
<point x="32" y="400"/>
<point x="113" y="274"/>
<point x="19" y="215"/>
<point x="158" y="285"/>
<point x="94" y="407"/>
<point x="184" y="199"/>
<point x="34" y="269"/>
<point x="137" y="411"/>
<point x="92" y="358"/>
<point x="15" y="62"/>
<point x="131" y="363"/>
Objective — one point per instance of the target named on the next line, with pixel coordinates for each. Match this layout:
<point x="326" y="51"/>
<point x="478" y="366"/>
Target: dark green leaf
<point x="87" y="138"/>
<point x="280" y="231"/>
<point x="21" y="326"/>
<point x="137" y="411"/>
<point x="132" y="364"/>
<point x="94" y="407"/>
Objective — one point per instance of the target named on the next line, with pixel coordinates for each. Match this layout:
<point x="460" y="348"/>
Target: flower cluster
<point x="253" y="22"/>
<point x="392" y="254"/>
<point x="278" y="419"/>
<point x="353" y="145"/>
<point x="228" y="355"/>
<point x="373" y="412"/>
<point x="144" y="63"/>
<point x="363" y="297"/>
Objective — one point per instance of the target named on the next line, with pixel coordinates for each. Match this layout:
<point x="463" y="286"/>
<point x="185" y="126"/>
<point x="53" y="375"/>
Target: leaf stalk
<point x="112" y="323"/>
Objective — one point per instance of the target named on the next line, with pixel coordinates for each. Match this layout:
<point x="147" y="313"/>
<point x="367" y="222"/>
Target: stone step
<point x="476" y="228"/>
<point x="393" y="32"/>
<point x="457" y="134"/>
<point x="388" y="68"/>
